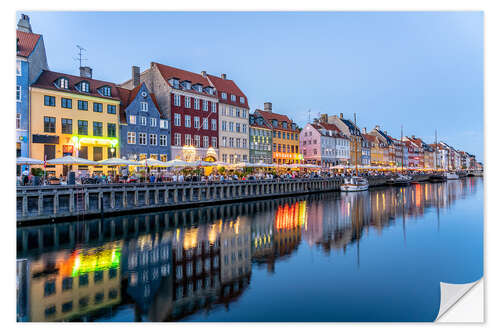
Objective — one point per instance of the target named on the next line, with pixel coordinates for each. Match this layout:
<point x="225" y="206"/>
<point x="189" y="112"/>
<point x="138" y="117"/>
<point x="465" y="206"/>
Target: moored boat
<point x="354" y="184"/>
<point x="451" y="176"/>
<point x="437" y="177"/>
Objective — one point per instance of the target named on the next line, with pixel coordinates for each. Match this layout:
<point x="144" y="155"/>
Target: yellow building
<point x="73" y="115"/>
<point x="376" y="150"/>
<point x="285" y="136"/>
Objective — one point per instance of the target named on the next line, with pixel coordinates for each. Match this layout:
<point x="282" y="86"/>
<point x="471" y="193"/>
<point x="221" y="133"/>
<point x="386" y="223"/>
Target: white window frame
<point x="242" y="100"/>
<point x="163" y="140"/>
<point x="177" y="139"/>
<point x="18" y="92"/>
<point x="142" y="136"/>
<point x="177" y="100"/>
<point x="187" y="121"/>
<point x="152" y="122"/>
<point x="214" y="107"/>
<point x="205" y="105"/>
<point x="205" y="141"/>
<point x="132" y="120"/>
<point x="153" y="139"/>
<point x="131" y="138"/>
<point x="187" y="139"/>
<point x="144" y="121"/>
<point x="196" y="103"/>
<point x="214" y="124"/>
<point x="196" y="122"/>
<point x="177" y="119"/>
<point x="224" y="95"/>
<point x="205" y="123"/>
<point x="18" y="68"/>
<point x="214" y="142"/>
<point x="144" y="106"/>
<point x="233" y="98"/>
<point x="187" y="102"/>
<point x="163" y="123"/>
<point x="197" y="141"/>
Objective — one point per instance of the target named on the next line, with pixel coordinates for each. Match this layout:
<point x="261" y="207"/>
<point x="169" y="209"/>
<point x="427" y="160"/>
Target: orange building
<point x="285" y="136"/>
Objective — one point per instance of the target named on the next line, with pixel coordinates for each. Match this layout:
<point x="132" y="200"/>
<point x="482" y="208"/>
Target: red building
<point x="190" y="101"/>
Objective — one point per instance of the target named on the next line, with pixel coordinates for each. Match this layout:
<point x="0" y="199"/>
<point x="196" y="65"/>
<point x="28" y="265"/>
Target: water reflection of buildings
<point x="171" y="265"/>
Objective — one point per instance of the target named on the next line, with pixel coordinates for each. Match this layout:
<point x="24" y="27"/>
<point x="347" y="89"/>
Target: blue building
<point x="144" y="133"/>
<point x="30" y="61"/>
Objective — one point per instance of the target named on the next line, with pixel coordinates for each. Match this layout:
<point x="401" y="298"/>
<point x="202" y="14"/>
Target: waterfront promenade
<point x="38" y="204"/>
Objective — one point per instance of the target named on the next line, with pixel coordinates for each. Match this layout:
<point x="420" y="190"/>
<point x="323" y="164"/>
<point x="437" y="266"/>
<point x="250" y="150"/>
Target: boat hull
<point x="353" y="188"/>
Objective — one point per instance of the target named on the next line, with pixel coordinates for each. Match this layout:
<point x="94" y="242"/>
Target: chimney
<point x="223" y="76"/>
<point x="268" y="106"/>
<point x="136" y="76"/>
<point x="364" y="130"/>
<point x="24" y="23"/>
<point x="204" y="73"/>
<point x="324" y="118"/>
<point x="341" y="115"/>
<point x="377" y="127"/>
<point x="86" y="71"/>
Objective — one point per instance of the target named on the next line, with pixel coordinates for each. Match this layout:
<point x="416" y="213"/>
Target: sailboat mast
<point x="435" y="152"/>
<point x="402" y="150"/>
<point x="356" y="145"/>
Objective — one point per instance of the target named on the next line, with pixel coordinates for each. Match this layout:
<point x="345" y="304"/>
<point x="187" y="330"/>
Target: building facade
<point x="233" y="120"/>
<point x="323" y="144"/>
<point x="190" y="102"/>
<point x="360" y="149"/>
<point x="144" y="132"/>
<point x="74" y="115"/>
<point x="285" y="136"/>
<point x="260" y="140"/>
<point x="30" y="61"/>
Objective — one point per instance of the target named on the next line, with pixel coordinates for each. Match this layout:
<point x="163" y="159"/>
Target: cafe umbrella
<point x="28" y="161"/>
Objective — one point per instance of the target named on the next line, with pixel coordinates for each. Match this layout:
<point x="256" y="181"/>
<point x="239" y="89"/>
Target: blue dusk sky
<point x="422" y="70"/>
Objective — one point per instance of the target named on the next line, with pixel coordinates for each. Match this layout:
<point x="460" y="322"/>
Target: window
<point x="231" y="142"/>
<point x="224" y="125"/>
<point x="238" y="127"/>
<point x="196" y="103"/>
<point x="83" y="127"/>
<point x="163" y="140"/>
<point x="224" y="95"/>
<point x="177" y="139"/>
<point x="132" y="120"/>
<point x="49" y="124"/>
<point x="153" y="139"/>
<point x="144" y="106"/>
<point x="205" y="142"/>
<point x="214" y="124"/>
<point x="85" y="87"/>
<point x="205" y="123"/>
<point x="197" y="141"/>
<point x="231" y="126"/>
<point x="83" y="105"/>
<point x="242" y="100"/>
<point x="142" y="139"/>
<point x="18" y="120"/>
<point x="187" y="121"/>
<point x="67" y="283"/>
<point x="144" y="121"/>
<point x="177" y="100"/>
<point x="152" y="122"/>
<point x="224" y="141"/>
<point x="177" y="119"/>
<point x="111" y="109"/>
<point x="187" y="102"/>
<point x="238" y="143"/>
<point x="244" y="113"/>
<point x="233" y="98"/>
<point x="67" y="126"/>
<point x="244" y="144"/>
<point x="197" y="122"/>
<point x="244" y="128"/>
<point x="205" y="105"/>
<point x="66" y="103"/>
<point x="18" y="67"/>
<point x="49" y="100"/>
<point x="131" y="138"/>
<point x="97" y="128"/>
<point x="111" y="130"/>
<point x="214" y="107"/>
<point x="97" y="107"/>
<point x="106" y="91"/>
<point x="63" y="83"/>
<point x="187" y="139"/>
<point x="214" y="142"/>
<point x="237" y="112"/>
<point x="49" y="288"/>
<point x="18" y="93"/>
<point x="163" y="123"/>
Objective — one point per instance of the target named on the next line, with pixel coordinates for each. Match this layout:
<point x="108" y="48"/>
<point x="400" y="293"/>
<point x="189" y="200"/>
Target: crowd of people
<point x="189" y="175"/>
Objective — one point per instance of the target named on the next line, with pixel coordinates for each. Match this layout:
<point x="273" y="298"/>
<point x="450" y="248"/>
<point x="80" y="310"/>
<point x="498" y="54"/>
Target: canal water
<point x="373" y="256"/>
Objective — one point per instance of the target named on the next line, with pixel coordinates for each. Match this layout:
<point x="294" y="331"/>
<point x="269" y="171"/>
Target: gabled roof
<point x="126" y="97"/>
<point x="229" y="87"/>
<point x="270" y="116"/>
<point x="265" y="125"/>
<point x="26" y="43"/>
<point x="47" y="79"/>
<point x="335" y="132"/>
<point x="385" y="136"/>
<point x="353" y="129"/>
<point x="168" y="72"/>
<point x="370" y="138"/>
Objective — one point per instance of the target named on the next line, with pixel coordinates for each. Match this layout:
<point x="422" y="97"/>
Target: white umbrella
<point x="117" y="161"/>
<point x="151" y="162"/>
<point x="244" y="165"/>
<point x="28" y="161"/>
<point x="71" y="160"/>
<point x="203" y="163"/>
<point x="220" y="163"/>
<point x="178" y="164"/>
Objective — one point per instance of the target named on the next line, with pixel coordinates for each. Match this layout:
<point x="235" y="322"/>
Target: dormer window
<point x="275" y="123"/>
<point x="84" y="86"/>
<point x="63" y="83"/>
<point x="260" y="121"/>
<point x="186" y="85"/>
<point x="209" y="90"/>
<point x="284" y="124"/>
<point x="242" y="100"/>
<point x="198" y="87"/>
<point x="223" y="95"/>
<point x="233" y="98"/>
<point x="174" y="83"/>
<point x="106" y="91"/>
<point x="294" y="126"/>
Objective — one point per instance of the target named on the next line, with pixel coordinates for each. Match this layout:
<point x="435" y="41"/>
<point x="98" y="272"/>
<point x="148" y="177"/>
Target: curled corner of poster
<point x="461" y="303"/>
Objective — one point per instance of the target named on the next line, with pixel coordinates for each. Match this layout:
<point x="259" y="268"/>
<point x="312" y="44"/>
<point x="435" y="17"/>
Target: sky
<point x="419" y="70"/>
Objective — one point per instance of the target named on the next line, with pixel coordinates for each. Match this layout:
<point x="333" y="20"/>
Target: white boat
<point x="354" y="184"/>
<point x="451" y="175"/>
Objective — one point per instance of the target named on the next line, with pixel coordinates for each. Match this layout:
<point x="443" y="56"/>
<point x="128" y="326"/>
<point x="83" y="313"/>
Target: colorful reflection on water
<point x="372" y="256"/>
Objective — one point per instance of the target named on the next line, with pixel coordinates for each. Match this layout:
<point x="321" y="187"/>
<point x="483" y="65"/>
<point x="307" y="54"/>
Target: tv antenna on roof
<point x="309" y="118"/>
<point x="80" y="55"/>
